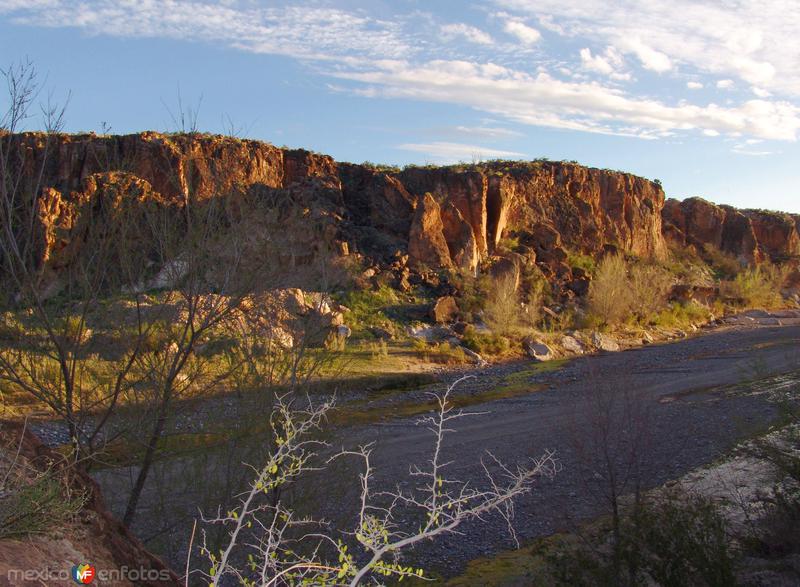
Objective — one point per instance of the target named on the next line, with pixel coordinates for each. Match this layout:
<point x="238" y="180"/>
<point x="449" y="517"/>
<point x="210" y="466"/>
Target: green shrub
<point x="680" y="539"/>
<point x="676" y="540"/>
<point x="491" y="344"/>
<point x="580" y="261"/>
<point x="678" y="315"/>
<point x="757" y="286"/>
<point x="724" y="265"/>
<point x="368" y="308"/>
<point x="36" y="506"/>
<point x="379" y="349"/>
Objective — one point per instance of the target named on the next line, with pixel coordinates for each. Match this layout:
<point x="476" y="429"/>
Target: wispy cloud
<point x="750" y="40"/>
<point x="305" y="32"/>
<point x="524" y="33"/>
<point x="751" y="50"/>
<point x="609" y="63"/>
<point x="465" y="31"/>
<point x="445" y="152"/>
<point x="489" y="132"/>
<point x="545" y="101"/>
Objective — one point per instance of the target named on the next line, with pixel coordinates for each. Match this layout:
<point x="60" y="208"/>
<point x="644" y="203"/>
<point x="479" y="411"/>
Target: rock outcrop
<point x="427" y="246"/>
<point x="451" y="217"/>
<point x="751" y="236"/>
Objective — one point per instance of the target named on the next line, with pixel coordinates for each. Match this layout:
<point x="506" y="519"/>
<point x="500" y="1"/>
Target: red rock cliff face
<point x="750" y="235"/>
<point x="176" y="167"/>
<point x="377" y="211"/>
<point x="776" y="233"/>
<point x="589" y="208"/>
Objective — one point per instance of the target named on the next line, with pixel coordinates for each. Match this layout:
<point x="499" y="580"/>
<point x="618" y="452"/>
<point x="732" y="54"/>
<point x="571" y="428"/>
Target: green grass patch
<point x="514" y="385"/>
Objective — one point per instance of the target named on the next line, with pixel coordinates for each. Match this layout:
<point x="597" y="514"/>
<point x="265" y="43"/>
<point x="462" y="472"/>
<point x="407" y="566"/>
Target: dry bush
<point x="649" y="286"/>
<point x="502" y="311"/>
<point x="610" y="296"/>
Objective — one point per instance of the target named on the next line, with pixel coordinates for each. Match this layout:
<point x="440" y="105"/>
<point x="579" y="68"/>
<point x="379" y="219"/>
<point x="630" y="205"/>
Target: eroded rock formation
<point x="750" y="235"/>
<point x="457" y="216"/>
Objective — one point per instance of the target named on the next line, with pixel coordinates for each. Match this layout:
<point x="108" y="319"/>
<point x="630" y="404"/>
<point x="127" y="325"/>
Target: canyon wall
<point x="456" y="216"/>
<point x="752" y="236"/>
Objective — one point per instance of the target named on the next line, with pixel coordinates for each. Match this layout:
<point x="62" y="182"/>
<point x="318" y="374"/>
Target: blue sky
<point x="702" y="95"/>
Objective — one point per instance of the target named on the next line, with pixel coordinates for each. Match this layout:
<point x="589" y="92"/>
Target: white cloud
<point x="742" y="149"/>
<point x="725" y="84"/>
<point x="545" y="101"/>
<point x="445" y="152"/>
<point x="650" y="58"/>
<point x="694" y="85"/>
<point x="608" y="63"/>
<point x="470" y="33"/>
<point x="489" y="132"/>
<point x="398" y="58"/>
<point x="526" y="34"/>
<point x="748" y="40"/>
<point x="307" y="32"/>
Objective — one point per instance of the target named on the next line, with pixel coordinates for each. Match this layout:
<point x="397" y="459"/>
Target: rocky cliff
<point x="456" y="216"/>
<point x="752" y="236"/>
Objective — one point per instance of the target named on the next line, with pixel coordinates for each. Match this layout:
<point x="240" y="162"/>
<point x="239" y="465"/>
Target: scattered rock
<point x="571" y="344"/>
<point x="604" y="342"/>
<point x="473" y="356"/>
<point x="381" y="333"/>
<point x="537" y="350"/>
<point x="430" y="333"/>
<point x="444" y="310"/>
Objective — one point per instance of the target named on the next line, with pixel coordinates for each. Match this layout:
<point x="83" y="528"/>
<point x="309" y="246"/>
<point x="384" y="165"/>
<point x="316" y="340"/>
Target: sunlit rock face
<point x="442" y="217"/>
<point x="750" y="235"/>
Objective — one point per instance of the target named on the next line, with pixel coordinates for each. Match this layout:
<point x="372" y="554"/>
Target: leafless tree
<point x="612" y="438"/>
<point x="47" y="356"/>
<point x="270" y="545"/>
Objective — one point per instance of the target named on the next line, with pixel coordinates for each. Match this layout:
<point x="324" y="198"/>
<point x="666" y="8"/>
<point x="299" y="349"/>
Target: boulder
<point x="604" y="342"/>
<point x="381" y="333"/>
<point x="430" y="333"/>
<point x="507" y="267"/>
<point x="571" y="344"/>
<point x="474" y="357"/>
<point x="579" y="285"/>
<point x="460" y="328"/>
<point x="537" y="350"/>
<point x="444" y="310"/>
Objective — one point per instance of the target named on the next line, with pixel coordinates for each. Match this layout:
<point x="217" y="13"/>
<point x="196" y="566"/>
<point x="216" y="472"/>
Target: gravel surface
<point x="703" y="394"/>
